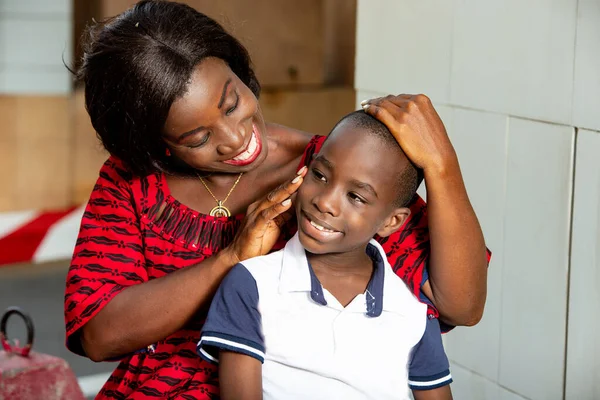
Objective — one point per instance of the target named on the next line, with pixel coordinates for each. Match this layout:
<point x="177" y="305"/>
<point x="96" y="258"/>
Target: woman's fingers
<point x="275" y="213"/>
<point x="417" y="127"/>
<point x="284" y="217"/>
<point x="385" y="111"/>
<point x="283" y="192"/>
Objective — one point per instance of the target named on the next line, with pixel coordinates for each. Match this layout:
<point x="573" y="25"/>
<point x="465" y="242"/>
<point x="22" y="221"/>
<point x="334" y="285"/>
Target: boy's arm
<point x="240" y="376"/>
<point x="232" y="336"/>
<point x="429" y="369"/>
<point x="442" y="393"/>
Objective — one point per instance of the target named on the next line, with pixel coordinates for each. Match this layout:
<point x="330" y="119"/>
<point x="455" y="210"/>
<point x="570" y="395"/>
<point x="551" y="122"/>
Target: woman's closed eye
<point x="231" y="109"/>
<point x="201" y="143"/>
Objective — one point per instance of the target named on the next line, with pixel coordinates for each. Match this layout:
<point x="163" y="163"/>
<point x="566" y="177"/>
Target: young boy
<point x="326" y="317"/>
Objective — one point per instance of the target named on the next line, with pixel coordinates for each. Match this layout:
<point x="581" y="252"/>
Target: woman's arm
<point x="240" y="376"/>
<point x="458" y="262"/>
<point x="147" y="312"/>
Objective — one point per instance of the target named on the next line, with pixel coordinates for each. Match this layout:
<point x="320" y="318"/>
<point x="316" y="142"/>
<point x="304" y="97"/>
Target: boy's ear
<point x="394" y="221"/>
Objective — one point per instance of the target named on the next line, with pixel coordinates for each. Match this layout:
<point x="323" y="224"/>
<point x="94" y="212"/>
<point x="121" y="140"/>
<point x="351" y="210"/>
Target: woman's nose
<point x="231" y="141"/>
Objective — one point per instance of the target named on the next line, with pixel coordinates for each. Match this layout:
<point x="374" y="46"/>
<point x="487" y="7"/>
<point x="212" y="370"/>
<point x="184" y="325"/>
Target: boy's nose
<point x="327" y="203"/>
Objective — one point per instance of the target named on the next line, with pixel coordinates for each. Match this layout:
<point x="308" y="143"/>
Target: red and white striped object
<point x="38" y="236"/>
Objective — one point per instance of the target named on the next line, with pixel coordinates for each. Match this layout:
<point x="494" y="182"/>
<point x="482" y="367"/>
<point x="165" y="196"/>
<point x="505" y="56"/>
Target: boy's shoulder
<point x="262" y="266"/>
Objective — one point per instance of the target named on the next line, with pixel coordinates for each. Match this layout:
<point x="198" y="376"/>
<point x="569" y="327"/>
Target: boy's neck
<point x="355" y="262"/>
<point x="344" y="275"/>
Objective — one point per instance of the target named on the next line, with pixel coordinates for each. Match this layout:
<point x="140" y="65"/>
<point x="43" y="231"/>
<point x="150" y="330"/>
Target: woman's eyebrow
<point x="224" y="93"/>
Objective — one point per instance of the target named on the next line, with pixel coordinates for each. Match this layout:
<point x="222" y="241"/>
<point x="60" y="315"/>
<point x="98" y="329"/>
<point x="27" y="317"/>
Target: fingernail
<point x="286" y="202"/>
<point x="362" y="103"/>
<point x="365" y="106"/>
<point x="296" y="179"/>
<point x="301" y="170"/>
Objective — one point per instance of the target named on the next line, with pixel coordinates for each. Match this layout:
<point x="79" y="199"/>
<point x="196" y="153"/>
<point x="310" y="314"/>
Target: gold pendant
<point x="220" y="211"/>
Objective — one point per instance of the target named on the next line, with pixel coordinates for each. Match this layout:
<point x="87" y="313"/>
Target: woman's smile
<point x="250" y="152"/>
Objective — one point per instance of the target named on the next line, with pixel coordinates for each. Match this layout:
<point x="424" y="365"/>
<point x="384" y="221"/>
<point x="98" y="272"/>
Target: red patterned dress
<point x="133" y="230"/>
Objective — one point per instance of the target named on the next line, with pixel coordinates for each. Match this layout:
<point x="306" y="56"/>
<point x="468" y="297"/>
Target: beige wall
<point x="35" y="157"/>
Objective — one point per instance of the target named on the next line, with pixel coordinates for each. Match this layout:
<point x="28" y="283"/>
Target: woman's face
<point x="217" y="125"/>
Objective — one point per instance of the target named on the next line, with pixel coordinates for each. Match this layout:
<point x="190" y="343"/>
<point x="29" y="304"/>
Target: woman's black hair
<point x="135" y="65"/>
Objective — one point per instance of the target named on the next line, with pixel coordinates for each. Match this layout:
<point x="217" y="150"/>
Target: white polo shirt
<point x="274" y="308"/>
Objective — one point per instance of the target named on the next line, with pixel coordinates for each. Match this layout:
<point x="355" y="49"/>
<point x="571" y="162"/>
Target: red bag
<point x="25" y="374"/>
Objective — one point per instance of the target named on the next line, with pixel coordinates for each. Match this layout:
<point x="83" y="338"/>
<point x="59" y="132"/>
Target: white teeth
<point x="249" y="150"/>
<point x="319" y="227"/>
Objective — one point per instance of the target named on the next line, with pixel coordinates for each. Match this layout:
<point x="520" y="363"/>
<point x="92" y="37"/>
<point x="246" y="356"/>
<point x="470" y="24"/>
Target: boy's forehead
<point x="348" y="138"/>
<point x="360" y="153"/>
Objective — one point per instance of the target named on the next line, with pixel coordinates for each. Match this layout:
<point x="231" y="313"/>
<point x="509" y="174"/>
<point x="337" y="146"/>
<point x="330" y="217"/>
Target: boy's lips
<point x="250" y="152"/>
<point x="317" y="229"/>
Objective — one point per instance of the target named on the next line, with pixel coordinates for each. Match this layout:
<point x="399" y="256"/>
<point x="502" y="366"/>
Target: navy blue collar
<point x="374" y="293"/>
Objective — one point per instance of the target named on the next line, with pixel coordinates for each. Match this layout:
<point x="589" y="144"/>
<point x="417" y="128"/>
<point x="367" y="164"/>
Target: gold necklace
<point x="220" y="210"/>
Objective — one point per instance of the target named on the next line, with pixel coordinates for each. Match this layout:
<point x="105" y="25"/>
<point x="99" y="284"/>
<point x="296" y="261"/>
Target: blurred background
<point x="517" y="84"/>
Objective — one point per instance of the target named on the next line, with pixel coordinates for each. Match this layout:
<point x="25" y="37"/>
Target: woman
<point x="197" y="181"/>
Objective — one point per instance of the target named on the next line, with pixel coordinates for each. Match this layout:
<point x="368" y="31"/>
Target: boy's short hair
<point x="411" y="176"/>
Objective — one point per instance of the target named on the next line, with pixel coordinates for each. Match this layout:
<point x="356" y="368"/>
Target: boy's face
<point x="349" y="193"/>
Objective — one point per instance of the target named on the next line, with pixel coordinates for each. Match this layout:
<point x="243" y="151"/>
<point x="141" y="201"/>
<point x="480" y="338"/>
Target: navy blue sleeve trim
<point x="212" y="342"/>
<point x="429" y="367"/>
<point x="233" y="322"/>
<point x="446" y="379"/>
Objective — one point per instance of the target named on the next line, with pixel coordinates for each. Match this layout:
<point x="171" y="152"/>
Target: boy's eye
<point x="233" y="107"/>
<point x="356" y="198"/>
<point x="318" y="175"/>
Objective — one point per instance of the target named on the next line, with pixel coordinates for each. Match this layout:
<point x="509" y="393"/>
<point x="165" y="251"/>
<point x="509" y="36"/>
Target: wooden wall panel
<point x="35" y="139"/>
<point x="315" y="111"/>
<point x="292" y="43"/>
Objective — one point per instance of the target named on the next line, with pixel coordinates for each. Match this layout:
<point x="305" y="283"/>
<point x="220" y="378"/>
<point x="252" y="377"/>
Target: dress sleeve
<point x="429" y="367"/>
<point x="108" y="254"/>
<point x="313" y="147"/>
<point x="233" y="322"/>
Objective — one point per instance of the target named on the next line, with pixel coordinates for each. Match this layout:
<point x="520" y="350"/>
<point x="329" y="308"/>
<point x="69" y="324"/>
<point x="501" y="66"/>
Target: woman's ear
<point x="394" y="221"/>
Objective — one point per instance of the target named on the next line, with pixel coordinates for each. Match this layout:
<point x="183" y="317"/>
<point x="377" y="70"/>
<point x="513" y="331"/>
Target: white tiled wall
<point x="397" y="53"/>
<point x="514" y="82"/>
<point x="35" y="38"/>
<point x="484" y="172"/>
<point x="469" y="385"/>
<point x="514" y="57"/>
<point x="586" y="99"/>
<point x="535" y="270"/>
<point x="583" y="361"/>
<point x="35" y="6"/>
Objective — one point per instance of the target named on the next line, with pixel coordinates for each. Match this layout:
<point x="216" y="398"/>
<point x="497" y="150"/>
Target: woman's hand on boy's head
<point x="417" y="127"/>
